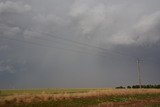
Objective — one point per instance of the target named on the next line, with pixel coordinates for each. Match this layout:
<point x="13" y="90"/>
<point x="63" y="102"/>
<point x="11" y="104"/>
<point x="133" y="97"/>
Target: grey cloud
<point x="90" y="16"/>
<point x="13" y="17"/>
<point x="6" y="68"/>
<point x="3" y="47"/>
<point x="11" y="31"/>
<point x="145" y="31"/>
<point x="48" y="23"/>
<point x="10" y="7"/>
<point x="148" y="28"/>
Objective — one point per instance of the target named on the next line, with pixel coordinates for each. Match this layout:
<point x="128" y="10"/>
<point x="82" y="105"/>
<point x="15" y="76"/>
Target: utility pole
<point x="139" y="72"/>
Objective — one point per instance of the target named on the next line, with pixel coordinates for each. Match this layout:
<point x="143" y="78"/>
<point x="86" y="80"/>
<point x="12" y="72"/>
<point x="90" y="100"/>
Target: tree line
<point x="138" y="86"/>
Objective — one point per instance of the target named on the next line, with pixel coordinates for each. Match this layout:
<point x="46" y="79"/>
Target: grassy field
<point x="79" y="97"/>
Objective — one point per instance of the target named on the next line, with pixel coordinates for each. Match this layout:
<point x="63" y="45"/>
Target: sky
<point x="78" y="43"/>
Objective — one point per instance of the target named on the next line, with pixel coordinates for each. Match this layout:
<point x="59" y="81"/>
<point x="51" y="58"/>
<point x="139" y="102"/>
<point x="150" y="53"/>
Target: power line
<point x="77" y="43"/>
<point x="81" y="43"/>
<point x="85" y="44"/>
<point x="49" y="46"/>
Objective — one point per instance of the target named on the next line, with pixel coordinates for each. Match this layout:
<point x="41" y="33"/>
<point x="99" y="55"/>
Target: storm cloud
<point x="78" y="43"/>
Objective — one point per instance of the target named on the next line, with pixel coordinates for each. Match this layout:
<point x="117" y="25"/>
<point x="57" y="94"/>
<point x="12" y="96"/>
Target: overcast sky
<point x="78" y="43"/>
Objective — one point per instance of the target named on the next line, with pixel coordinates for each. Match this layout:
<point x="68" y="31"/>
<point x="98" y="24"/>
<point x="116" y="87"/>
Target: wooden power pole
<point x="139" y="72"/>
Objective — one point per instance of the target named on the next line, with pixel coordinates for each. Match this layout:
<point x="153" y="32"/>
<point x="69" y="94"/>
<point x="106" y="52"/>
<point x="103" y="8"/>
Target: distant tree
<point x="158" y="86"/>
<point x="135" y="86"/>
<point x="120" y="87"/>
<point x="129" y="87"/>
<point x="148" y="86"/>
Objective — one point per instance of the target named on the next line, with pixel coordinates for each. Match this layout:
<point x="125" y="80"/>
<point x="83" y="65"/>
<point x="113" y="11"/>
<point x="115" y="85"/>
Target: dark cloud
<point x="49" y="43"/>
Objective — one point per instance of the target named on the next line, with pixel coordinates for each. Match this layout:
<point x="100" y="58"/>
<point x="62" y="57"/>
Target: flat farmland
<point x="98" y="97"/>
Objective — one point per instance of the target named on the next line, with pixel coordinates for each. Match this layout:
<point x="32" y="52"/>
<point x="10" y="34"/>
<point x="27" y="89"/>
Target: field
<point x="80" y="98"/>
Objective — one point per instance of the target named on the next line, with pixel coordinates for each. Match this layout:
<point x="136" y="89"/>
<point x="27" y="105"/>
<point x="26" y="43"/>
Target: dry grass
<point x="44" y="96"/>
